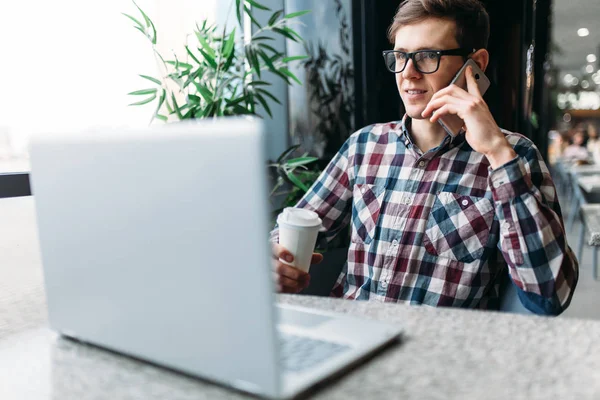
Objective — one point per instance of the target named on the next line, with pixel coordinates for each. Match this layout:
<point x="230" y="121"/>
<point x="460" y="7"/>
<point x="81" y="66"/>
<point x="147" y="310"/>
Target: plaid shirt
<point x="440" y="228"/>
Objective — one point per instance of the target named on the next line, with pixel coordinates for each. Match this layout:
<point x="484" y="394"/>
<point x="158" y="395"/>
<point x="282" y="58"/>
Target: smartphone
<point x="451" y="123"/>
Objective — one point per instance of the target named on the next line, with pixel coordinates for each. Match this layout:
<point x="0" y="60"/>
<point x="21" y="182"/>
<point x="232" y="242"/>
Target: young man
<point x="436" y="219"/>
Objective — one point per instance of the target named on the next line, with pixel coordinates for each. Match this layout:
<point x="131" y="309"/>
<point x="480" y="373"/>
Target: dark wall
<point x="377" y="98"/>
<point x="515" y="24"/>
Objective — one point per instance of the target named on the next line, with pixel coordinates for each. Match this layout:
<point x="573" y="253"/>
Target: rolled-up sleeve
<point x="532" y="234"/>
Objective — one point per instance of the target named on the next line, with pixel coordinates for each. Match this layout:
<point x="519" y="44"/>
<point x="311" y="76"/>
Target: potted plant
<point x="223" y="77"/>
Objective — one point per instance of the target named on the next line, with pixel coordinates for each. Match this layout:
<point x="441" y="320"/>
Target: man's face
<point x="416" y="89"/>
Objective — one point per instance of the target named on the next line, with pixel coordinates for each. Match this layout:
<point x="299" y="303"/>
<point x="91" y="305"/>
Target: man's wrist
<point x="501" y="154"/>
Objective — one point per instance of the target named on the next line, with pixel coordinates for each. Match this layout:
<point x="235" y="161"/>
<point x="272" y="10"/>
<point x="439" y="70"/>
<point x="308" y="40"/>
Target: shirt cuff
<point x="509" y="181"/>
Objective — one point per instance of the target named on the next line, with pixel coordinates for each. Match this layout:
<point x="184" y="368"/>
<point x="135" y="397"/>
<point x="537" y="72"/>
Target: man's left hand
<point x="482" y="132"/>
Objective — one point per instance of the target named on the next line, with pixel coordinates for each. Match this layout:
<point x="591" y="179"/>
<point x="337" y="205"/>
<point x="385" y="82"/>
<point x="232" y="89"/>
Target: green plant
<point x="223" y="73"/>
<point x="294" y="178"/>
<point x="223" y="76"/>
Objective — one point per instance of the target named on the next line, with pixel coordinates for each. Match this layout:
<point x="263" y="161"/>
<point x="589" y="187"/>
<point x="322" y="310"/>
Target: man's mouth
<point x="414" y="91"/>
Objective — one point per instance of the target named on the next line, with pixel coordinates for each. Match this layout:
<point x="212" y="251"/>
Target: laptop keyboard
<point x="298" y="353"/>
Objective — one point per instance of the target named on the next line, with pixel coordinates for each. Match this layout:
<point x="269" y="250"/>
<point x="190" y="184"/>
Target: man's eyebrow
<point x="406" y="51"/>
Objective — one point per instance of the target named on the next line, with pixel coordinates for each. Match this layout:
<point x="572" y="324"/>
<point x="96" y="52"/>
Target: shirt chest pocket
<point x="459" y="227"/>
<point x="366" y="209"/>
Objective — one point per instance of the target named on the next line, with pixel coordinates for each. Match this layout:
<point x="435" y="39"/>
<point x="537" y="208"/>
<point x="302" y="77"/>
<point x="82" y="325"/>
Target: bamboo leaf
<point x="288" y="73"/>
<point x="261" y="38"/>
<point x="134" y="20"/>
<point x="297" y="162"/>
<point x="146" y="101"/>
<point x="267" y="47"/>
<point x="292" y="32"/>
<point x="249" y="13"/>
<point x="264" y="104"/>
<point x="209" y="59"/>
<point x="193" y="99"/>
<point x="192" y="55"/>
<point x="236" y="101"/>
<point x="229" y="61"/>
<point x="253" y="60"/>
<point x="206" y="46"/>
<point x="176" y="106"/>
<point x="204" y="92"/>
<point x="275" y="17"/>
<point x="143" y="14"/>
<point x="296" y="181"/>
<point x="295" y="58"/>
<point x="282" y="76"/>
<point x="266" y="59"/>
<point x="141" y="30"/>
<point x="169" y="108"/>
<point x="179" y="64"/>
<point x="285" y="33"/>
<point x="259" y="83"/>
<point x="269" y="95"/>
<point x="296" y="14"/>
<point x="151" y="79"/>
<point x="228" y="48"/>
<point x="238" y="109"/>
<point x="142" y="92"/>
<point x="287" y="153"/>
<point x="161" y="117"/>
<point x="153" y="32"/>
<point x="238" y="12"/>
<point x="161" y="100"/>
<point x="258" y="5"/>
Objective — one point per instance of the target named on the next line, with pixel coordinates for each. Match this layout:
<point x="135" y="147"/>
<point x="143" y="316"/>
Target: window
<point x="69" y="64"/>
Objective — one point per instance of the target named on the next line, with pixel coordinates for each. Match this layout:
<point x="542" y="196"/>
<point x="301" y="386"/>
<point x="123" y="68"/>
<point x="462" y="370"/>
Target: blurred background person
<point x="593" y="144"/>
<point x="577" y="151"/>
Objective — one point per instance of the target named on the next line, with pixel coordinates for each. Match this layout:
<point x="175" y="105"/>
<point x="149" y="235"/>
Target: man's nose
<point x="410" y="71"/>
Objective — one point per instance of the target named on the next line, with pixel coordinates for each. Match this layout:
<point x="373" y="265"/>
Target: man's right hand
<point x="289" y="279"/>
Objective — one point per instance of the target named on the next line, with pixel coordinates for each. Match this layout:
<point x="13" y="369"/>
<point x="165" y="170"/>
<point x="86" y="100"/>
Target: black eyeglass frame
<point x="411" y="56"/>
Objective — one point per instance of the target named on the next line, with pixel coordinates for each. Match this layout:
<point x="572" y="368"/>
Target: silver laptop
<point x="154" y="244"/>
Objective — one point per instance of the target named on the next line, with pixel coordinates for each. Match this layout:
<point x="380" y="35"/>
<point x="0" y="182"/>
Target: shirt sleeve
<point x="330" y="197"/>
<point x="532" y="233"/>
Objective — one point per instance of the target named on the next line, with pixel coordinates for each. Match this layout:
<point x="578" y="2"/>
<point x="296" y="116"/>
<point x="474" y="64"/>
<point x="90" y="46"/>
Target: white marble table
<point x="585" y="169"/>
<point x="446" y="354"/>
<point x="590" y="184"/>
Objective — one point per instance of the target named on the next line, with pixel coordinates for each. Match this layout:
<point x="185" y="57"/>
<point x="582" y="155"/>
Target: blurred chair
<point x="590" y="217"/>
<point x="578" y="196"/>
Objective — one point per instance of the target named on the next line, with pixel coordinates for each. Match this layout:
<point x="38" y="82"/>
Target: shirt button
<point x="384" y="284"/>
<point x="407" y="201"/>
<point x="465" y="202"/>
<point x="422" y="164"/>
<point x="395" y="242"/>
<point x="497" y="184"/>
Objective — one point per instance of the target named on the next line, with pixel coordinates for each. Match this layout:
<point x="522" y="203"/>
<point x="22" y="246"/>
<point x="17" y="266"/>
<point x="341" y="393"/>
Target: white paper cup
<point x="298" y="230"/>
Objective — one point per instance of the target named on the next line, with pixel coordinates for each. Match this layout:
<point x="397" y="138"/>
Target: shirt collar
<point x="405" y="128"/>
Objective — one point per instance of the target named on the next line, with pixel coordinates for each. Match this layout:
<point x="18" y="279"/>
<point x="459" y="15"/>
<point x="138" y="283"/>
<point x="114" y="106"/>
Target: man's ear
<point x="481" y="58"/>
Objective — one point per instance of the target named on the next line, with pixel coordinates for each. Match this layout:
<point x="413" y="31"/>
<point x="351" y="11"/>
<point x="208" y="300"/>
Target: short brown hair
<point x="472" y="21"/>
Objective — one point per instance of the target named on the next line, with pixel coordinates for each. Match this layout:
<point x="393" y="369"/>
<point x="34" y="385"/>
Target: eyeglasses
<point x="426" y="61"/>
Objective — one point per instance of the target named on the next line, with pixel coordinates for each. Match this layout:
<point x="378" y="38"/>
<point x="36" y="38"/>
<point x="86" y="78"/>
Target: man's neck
<point x="426" y="135"/>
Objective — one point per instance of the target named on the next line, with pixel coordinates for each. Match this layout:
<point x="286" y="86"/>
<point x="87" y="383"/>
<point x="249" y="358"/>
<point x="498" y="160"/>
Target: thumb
<point x="316" y="258"/>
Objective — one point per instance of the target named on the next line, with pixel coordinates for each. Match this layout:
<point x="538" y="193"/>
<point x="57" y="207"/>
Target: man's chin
<point x="415" y="114"/>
